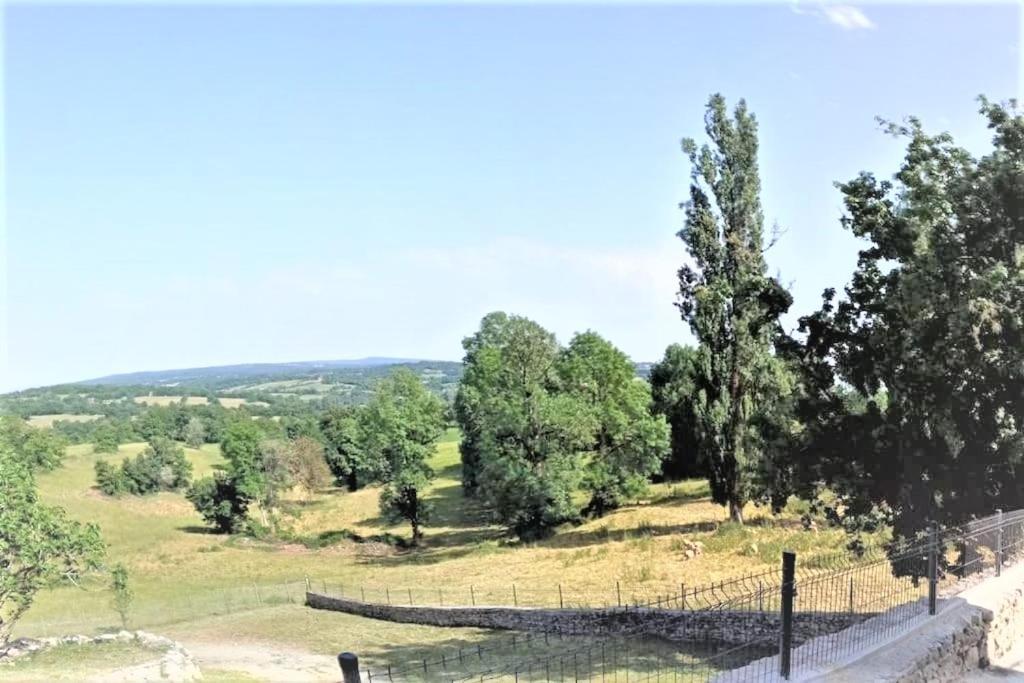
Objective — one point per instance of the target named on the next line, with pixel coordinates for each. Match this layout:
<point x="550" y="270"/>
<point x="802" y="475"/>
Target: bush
<point x="220" y="502"/>
<point x="161" y="467"/>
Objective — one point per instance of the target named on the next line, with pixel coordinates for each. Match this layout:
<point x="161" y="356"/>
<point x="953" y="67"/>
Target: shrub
<point x="161" y="467"/>
<point x="220" y="502"/>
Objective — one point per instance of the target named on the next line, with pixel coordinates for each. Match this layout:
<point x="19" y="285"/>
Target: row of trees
<point x="905" y="394"/>
<point x="388" y="441"/>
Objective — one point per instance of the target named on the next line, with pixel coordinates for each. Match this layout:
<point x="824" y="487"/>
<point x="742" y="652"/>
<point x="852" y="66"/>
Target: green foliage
<point x="194" y="434"/>
<point x="732" y="308"/>
<point x="628" y="442"/>
<point x="106" y="439"/>
<point x="242" y="448"/>
<point x="161" y="467"/>
<point x="401" y="426"/>
<point x="220" y="503"/>
<point x="123" y="595"/>
<point x="522" y="435"/>
<point x="672" y="389"/>
<point x="349" y="463"/>
<point x="38" y="448"/>
<point x="39" y="545"/>
<point x="913" y="379"/>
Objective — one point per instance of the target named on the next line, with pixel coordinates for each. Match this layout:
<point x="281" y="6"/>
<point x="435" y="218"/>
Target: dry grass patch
<point x="46" y="421"/>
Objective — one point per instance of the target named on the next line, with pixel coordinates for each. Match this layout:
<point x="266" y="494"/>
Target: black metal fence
<point x="820" y="615"/>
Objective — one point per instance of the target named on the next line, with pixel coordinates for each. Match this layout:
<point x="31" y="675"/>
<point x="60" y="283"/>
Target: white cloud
<point x="847" y="17"/>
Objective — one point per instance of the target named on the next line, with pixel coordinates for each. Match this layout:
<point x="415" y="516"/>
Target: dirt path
<point x="267" y="663"/>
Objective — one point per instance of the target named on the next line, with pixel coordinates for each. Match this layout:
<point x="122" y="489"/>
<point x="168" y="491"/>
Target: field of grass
<point x="190" y="581"/>
<point x="47" y="421"/>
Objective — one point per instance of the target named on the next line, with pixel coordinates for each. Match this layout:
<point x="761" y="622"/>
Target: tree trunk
<point x="353" y="482"/>
<point x="736" y="511"/>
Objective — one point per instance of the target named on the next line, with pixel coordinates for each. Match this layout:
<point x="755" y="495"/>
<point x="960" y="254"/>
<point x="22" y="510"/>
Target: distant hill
<point x="220" y="374"/>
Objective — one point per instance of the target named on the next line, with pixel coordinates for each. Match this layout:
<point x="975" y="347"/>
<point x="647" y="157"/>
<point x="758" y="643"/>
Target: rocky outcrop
<point x="174" y="664"/>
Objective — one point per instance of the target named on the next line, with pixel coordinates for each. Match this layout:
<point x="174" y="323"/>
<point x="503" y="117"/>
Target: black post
<point x="788" y="592"/>
<point x="999" y="542"/>
<point x="933" y="568"/>
<point x="561" y="604"/>
<point x="349" y="664"/>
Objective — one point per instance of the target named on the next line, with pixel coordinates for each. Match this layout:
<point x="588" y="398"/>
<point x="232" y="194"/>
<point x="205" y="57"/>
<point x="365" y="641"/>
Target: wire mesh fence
<point x="810" y="617"/>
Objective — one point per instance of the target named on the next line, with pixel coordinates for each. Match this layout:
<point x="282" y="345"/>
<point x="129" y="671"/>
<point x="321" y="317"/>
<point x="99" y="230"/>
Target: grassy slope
<point x="72" y="662"/>
<point x="180" y="572"/>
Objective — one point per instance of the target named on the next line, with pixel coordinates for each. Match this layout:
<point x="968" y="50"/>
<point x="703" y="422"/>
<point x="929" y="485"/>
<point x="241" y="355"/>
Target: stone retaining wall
<point x="727" y="628"/>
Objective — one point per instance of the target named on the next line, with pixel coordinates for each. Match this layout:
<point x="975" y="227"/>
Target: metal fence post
<point x="349" y="664"/>
<point x="999" y="542"/>
<point x="933" y="568"/>
<point x="786" y="632"/>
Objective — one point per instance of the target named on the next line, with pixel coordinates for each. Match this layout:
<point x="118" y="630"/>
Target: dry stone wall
<point x="724" y="627"/>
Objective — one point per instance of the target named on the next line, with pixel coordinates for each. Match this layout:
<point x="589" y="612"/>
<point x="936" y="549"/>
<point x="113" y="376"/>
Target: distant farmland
<point x="48" y="420"/>
<point x="193" y="401"/>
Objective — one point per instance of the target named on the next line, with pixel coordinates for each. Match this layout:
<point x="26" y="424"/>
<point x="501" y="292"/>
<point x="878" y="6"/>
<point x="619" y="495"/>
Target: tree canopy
<point x="932" y="322"/>
<point x="731" y="305"/>
<point x="402" y="423"/>
<point x="39" y="545"/>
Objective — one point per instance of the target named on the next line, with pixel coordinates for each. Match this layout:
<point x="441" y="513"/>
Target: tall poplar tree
<point x="731" y="305"/>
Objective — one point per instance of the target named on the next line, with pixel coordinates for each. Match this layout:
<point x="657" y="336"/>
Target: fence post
<point x="561" y="603"/>
<point x="999" y="542"/>
<point x="618" y="593"/>
<point x="256" y="589"/>
<point x="472" y="597"/>
<point x="515" y="598"/>
<point x="851" y="595"/>
<point x="788" y="592"/>
<point x="410" y="597"/>
<point x="349" y="664"/>
<point x="933" y="568"/>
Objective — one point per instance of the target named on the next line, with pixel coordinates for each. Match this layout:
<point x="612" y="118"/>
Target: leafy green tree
<point x="110" y="479"/>
<point x="525" y="435"/>
<point x="220" y="503"/>
<point x="39" y="545"/>
<point x="350" y="463"/>
<point x="161" y="467"/>
<point x="157" y="421"/>
<point x="913" y="380"/>
<point x="242" y="448"/>
<point x="123" y="595"/>
<point x="481" y="376"/>
<point x="401" y="426"/>
<point x="672" y="390"/>
<point x="41" y="448"/>
<point x="106" y="439"/>
<point x="628" y="442"/>
<point x="732" y="307"/>
<point x="194" y="434"/>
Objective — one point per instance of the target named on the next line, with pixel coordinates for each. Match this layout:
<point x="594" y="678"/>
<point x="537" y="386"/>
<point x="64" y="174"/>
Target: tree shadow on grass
<point x="203" y="530"/>
<point x="551" y="656"/>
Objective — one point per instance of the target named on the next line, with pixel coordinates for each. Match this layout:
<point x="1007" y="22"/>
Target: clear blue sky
<point x="196" y="186"/>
